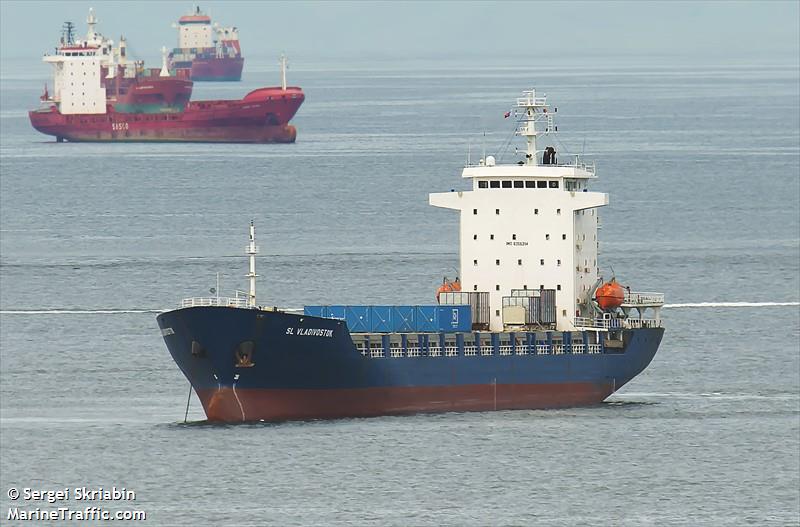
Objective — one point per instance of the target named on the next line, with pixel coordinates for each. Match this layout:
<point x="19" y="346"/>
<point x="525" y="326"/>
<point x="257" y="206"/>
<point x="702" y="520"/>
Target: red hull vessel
<point x="206" y="52"/>
<point x="262" y="116"/>
<point x="213" y="69"/>
<point x="100" y="95"/>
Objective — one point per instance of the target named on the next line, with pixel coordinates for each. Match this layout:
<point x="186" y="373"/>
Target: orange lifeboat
<point x="610" y="295"/>
<point x="448" y="287"/>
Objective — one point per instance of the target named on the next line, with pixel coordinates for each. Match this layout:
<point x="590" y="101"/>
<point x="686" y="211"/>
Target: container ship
<point x="206" y="52"/>
<point x="530" y="323"/>
<point x="100" y="95"/>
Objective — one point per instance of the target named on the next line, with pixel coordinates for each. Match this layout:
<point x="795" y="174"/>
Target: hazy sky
<point x="344" y="30"/>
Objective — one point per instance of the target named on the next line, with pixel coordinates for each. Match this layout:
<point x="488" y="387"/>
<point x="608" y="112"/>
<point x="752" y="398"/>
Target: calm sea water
<point x="703" y="166"/>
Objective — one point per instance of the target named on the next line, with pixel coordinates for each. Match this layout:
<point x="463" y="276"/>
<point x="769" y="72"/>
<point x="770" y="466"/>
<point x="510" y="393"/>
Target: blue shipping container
<point x="398" y="319"/>
<point x="337" y="312"/>
<point x="426" y="319"/>
<point x="316" y="311"/>
<point x="403" y="319"/>
<point x="454" y="318"/>
<point x="380" y="319"/>
<point x="357" y="318"/>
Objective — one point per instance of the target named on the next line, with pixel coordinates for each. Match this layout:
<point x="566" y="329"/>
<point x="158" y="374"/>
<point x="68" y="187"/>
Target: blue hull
<point x="248" y="364"/>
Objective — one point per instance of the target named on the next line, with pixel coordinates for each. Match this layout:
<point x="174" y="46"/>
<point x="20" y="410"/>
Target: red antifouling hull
<point x="214" y="69"/>
<point x="237" y="405"/>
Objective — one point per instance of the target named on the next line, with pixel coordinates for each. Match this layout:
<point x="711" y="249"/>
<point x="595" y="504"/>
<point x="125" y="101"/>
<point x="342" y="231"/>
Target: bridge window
<point x="494" y="184"/>
<point x="475" y="211"/>
<point x="474" y="262"/>
<point x="530" y="184"/>
<point x="536" y="211"/>
<point x="497" y="262"/>
<point x="497" y="211"/>
<point x="491" y="236"/>
<point x="474" y="236"/>
<point x="483" y="184"/>
<point x="558" y="287"/>
<point x="541" y="184"/>
<point x="513" y="236"/>
<point x="506" y="184"/>
<point x="546" y="236"/>
<point x="541" y="262"/>
<point x="558" y="211"/>
<point x="497" y="287"/>
<point x="558" y="263"/>
<point x="519" y="262"/>
<point x="519" y="184"/>
<point x="553" y="184"/>
<point x="563" y="236"/>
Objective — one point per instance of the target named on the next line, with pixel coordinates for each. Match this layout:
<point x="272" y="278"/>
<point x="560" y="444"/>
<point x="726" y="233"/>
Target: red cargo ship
<point x="116" y="100"/>
<point x="207" y="52"/>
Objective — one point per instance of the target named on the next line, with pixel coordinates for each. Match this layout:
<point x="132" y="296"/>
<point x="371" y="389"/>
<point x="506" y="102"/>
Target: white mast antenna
<point x="283" y="72"/>
<point x="91" y="20"/>
<point x="251" y="250"/>
<point x="534" y="110"/>
<point x="164" y="70"/>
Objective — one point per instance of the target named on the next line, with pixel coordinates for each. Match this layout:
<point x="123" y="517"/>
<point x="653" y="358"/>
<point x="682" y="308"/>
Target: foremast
<point x="251" y="250"/>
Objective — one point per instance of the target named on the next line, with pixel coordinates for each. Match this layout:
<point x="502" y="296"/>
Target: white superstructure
<point x="77" y="85"/>
<point x="78" y="64"/>
<point x="529" y="225"/>
<point x="195" y="31"/>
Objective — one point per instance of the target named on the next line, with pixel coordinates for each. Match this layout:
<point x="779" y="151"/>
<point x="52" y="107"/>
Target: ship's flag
<point x="506" y="115"/>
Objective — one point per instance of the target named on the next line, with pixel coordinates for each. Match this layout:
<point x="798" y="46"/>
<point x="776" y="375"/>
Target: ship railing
<point x="585" y="322"/>
<point x="450" y="351"/>
<point x="376" y="350"/>
<point x="215" y="301"/>
<point x="634" y="298"/>
<point x="542" y="349"/>
<point x="413" y="351"/>
<point x="522" y="349"/>
<point x="506" y="350"/>
<point x="434" y="351"/>
<point x="523" y="102"/>
<point x="558" y="349"/>
<point x="470" y="351"/>
<point x="595" y="348"/>
<point x="617" y="323"/>
<point x="578" y="348"/>
<point x="487" y="350"/>
<point x="635" y="323"/>
<point x="395" y="351"/>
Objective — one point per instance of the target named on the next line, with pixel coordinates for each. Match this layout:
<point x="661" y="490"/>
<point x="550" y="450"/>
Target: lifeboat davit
<point x="610" y="295"/>
<point x="448" y="287"/>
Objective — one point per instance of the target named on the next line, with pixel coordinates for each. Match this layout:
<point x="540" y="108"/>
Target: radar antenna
<point x="68" y="34"/>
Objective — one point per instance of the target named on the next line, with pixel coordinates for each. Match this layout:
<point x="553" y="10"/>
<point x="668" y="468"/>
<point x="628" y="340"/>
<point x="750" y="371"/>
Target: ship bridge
<point x="530" y="225"/>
